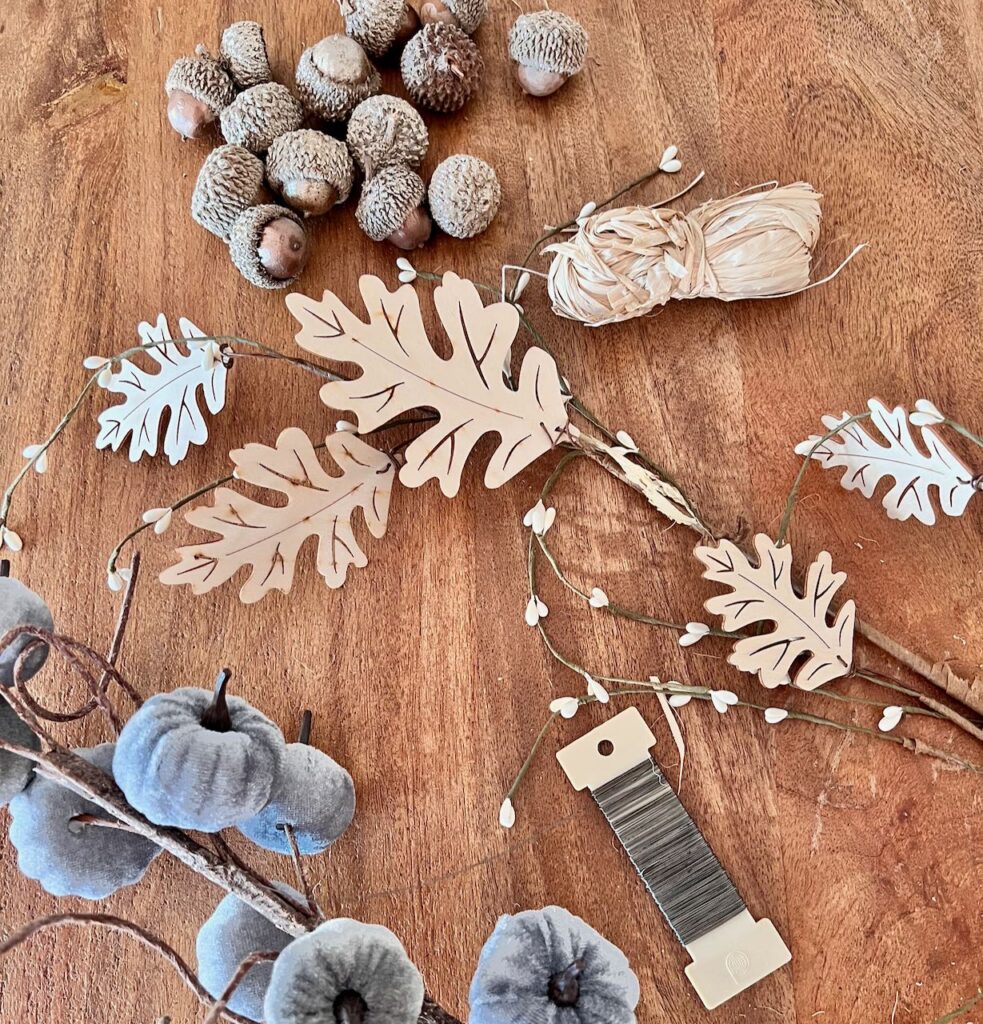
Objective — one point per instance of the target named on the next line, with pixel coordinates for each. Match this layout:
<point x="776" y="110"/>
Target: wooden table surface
<point x="424" y="679"/>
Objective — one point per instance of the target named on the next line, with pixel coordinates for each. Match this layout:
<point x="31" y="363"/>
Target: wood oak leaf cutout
<point x="401" y="372"/>
<point x="866" y="462"/>
<point x="173" y="389"/>
<point x="765" y="593"/>
<point x="266" y="538"/>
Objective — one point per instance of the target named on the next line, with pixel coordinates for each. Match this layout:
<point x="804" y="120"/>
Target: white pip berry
<point x="679" y="700"/>
<point x="160" y="517"/>
<point x="95" y="362"/>
<point x="506" y="814"/>
<point x="105" y="377"/>
<point x="585" y="211"/>
<point x="926" y="414"/>
<point x="539" y="518"/>
<point x="535" y="610"/>
<point x="407" y="273"/>
<point x="344" y="427"/>
<point x="520" y="285"/>
<point x="598" y="599"/>
<point x="211" y="354"/>
<point x="596" y="690"/>
<point x="670" y="163"/>
<point x="626" y="441"/>
<point x="695" y="632"/>
<point x="118" y="578"/>
<point x="889" y="719"/>
<point x="10" y="539"/>
<point x="723" y="699"/>
<point x="32" y="450"/>
<point x="775" y="715"/>
<point x="567" y="707"/>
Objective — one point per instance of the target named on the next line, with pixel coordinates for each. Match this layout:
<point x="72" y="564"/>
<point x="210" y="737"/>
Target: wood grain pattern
<point x="425" y="681"/>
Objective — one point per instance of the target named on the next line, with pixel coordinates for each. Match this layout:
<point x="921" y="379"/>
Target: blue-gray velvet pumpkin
<point x="313" y="794"/>
<point x="178" y="769"/>
<point x="233" y="932"/>
<point x="15" y="772"/>
<point x="344" y="959"/>
<point x="20" y="606"/>
<point x="67" y="857"/>
<point x="549" y="967"/>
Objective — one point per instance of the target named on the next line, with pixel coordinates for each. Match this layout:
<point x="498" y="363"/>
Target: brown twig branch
<point x="302" y="882"/>
<point x="245" y="966"/>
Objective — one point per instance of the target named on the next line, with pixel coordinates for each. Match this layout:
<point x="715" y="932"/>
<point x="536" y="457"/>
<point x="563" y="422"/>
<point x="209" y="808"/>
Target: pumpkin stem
<point x="216" y="716"/>
<point x="4" y="568"/>
<point x="564" y="988"/>
<point x="304" y="736"/>
<point x="350" y="1008"/>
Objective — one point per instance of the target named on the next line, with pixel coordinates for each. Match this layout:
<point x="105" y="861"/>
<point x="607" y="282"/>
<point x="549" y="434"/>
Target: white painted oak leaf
<point x="172" y="389"/>
<point x="765" y="593"/>
<point x="866" y="462"/>
<point x="267" y="539"/>
<point x="401" y="372"/>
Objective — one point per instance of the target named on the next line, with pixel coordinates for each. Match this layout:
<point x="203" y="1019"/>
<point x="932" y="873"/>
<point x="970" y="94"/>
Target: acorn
<point x="269" y="246"/>
<point x="244" y="54"/>
<point x="464" y="196"/>
<point x="311" y="170"/>
<point x="230" y="181"/>
<point x="334" y="76"/>
<point x="198" y="89"/>
<point x="547" y="47"/>
<point x="391" y="208"/>
<point x="379" y="25"/>
<point x="259" y="115"/>
<point x="441" y="67"/>
<point x="386" y="130"/>
<point x="466" y="15"/>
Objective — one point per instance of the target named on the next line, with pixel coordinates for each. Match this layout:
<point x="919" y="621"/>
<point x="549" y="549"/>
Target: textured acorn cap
<point x="230" y="181"/>
<point x="334" y="76"/>
<point x="548" y="41"/>
<point x="244" y="243"/>
<point x="464" y="196"/>
<point x="441" y="67"/>
<point x="375" y="24"/>
<point x="386" y="130"/>
<point x="469" y="13"/>
<point x="244" y="54"/>
<point x="259" y="115"/>
<point x="202" y="77"/>
<point x="309" y="156"/>
<point x="387" y="200"/>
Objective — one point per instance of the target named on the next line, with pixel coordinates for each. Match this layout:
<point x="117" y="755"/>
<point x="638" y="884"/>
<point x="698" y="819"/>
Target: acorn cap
<point x="247" y="232"/>
<point x="386" y="130"/>
<point x="334" y="76"/>
<point x="311" y="170"/>
<point x="244" y="54"/>
<point x="548" y="41"/>
<point x="468" y="14"/>
<point x="387" y="200"/>
<point x="202" y="77"/>
<point x="464" y="196"/>
<point x="259" y="115"/>
<point x="375" y="24"/>
<point x="230" y="181"/>
<point x="441" y="67"/>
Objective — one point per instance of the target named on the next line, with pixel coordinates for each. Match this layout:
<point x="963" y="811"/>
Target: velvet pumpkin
<point x="67" y="857"/>
<point x="15" y="772"/>
<point x="177" y="768"/>
<point x="233" y="932"/>
<point x="550" y="967"/>
<point x="344" y="959"/>
<point x="314" y="794"/>
<point x="20" y="606"/>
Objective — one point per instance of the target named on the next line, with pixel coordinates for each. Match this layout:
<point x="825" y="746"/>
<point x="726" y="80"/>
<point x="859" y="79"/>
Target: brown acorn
<point x="259" y="115"/>
<point x="466" y="15"/>
<point x="386" y="130"/>
<point x="464" y="196"/>
<point x="548" y="48"/>
<point x="334" y="76"/>
<point x="391" y="208"/>
<point x="268" y="245"/>
<point x="244" y="54"/>
<point x="230" y="181"/>
<point x="311" y="170"/>
<point x="198" y="89"/>
<point x="441" y="67"/>
<point x="379" y="25"/>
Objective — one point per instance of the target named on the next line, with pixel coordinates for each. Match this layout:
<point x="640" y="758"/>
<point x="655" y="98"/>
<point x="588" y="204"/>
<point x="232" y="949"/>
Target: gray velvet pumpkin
<point x="314" y="794"/>
<point x="344" y="957"/>
<point x="550" y="967"/>
<point x="177" y="771"/>
<point x="67" y="857"/>
<point x="233" y="932"/>
<point x="20" y="606"/>
<point x="15" y="772"/>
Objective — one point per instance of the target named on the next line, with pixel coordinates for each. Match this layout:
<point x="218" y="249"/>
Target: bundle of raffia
<point x="627" y="262"/>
